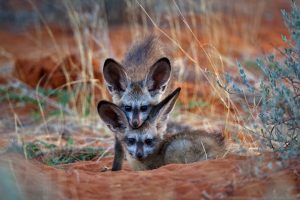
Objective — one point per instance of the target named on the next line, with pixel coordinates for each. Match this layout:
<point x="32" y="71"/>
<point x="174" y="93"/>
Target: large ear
<point x="159" y="76"/>
<point x="115" y="76"/>
<point x="113" y="116"/>
<point x="160" y="111"/>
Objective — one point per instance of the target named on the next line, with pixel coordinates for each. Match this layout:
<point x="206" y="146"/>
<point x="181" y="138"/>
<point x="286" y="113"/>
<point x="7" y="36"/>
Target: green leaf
<point x="70" y="141"/>
<point x="193" y="104"/>
<point x="64" y="97"/>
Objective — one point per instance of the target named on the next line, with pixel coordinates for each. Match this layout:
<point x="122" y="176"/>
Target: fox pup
<point x="137" y="84"/>
<point x="140" y="81"/>
<point x="146" y="148"/>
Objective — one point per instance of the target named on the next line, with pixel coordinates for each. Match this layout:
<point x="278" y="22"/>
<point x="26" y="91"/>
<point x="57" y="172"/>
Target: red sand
<point x="231" y="178"/>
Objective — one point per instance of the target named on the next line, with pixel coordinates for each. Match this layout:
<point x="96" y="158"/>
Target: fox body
<point x="181" y="148"/>
<point x="147" y="148"/>
<point x="137" y="84"/>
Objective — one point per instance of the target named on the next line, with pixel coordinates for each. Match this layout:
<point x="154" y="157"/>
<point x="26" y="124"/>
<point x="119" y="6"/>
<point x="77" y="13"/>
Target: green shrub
<point x="279" y="91"/>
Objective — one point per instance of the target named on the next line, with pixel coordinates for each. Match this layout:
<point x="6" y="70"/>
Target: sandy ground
<point x="231" y="178"/>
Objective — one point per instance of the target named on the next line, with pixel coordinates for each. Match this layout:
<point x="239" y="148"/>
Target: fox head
<point x="144" y="141"/>
<point x="136" y="98"/>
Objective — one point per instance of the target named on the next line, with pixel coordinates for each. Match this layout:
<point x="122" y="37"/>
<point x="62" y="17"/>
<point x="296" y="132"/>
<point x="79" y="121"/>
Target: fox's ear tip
<point x="177" y="91"/>
<point x="103" y="103"/>
<point x="166" y="59"/>
<point x="100" y="105"/>
<point x="108" y="60"/>
<point x="109" y="64"/>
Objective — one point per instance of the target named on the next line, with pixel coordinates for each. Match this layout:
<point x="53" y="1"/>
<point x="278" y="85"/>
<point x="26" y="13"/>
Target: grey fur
<point x="157" y="148"/>
<point x="130" y="82"/>
<point x="141" y="56"/>
<point x="182" y="148"/>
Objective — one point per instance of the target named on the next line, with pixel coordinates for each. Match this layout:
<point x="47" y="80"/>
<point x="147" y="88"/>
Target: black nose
<point x="135" y="123"/>
<point x="139" y="155"/>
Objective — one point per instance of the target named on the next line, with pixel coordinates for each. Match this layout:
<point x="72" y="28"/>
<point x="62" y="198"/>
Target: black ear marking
<point x="163" y="108"/>
<point x="110" y="88"/>
<point x="159" y="76"/>
<point x="112" y="115"/>
<point x="114" y="75"/>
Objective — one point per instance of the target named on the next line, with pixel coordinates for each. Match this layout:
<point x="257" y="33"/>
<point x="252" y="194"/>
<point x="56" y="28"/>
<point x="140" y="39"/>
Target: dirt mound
<point x="231" y="178"/>
<point x="53" y="73"/>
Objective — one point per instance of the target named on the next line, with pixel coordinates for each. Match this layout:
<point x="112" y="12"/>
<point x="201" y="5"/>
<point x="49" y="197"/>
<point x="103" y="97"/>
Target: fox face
<point x="136" y="97"/>
<point x="139" y="143"/>
<point x="136" y="103"/>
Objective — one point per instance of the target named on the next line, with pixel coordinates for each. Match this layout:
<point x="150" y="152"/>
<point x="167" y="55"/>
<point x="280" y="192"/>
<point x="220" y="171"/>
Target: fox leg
<point x="118" y="156"/>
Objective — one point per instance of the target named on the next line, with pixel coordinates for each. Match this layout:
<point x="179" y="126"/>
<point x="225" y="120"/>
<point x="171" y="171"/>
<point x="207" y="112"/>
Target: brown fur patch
<point x="136" y="89"/>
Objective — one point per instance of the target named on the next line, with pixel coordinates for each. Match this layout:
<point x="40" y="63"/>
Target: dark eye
<point x="130" y="141"/>
<point x="149" y="142"/>
<point x="144" y="108"/>
<point x="128" y="108"/>
<point x="110" y="88"/>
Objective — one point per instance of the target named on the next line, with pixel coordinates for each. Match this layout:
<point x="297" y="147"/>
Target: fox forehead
<point x="146" y="131"/>
<point x="137" y="88"/>
<point x="137" y="94"/>
<point x="139" y="136"/>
